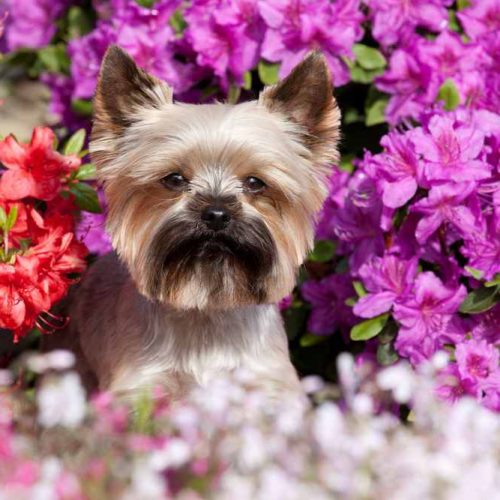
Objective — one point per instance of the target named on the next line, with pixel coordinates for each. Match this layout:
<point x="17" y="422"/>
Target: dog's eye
<point x="254" y="185"/>
<point x="175" y="182"/>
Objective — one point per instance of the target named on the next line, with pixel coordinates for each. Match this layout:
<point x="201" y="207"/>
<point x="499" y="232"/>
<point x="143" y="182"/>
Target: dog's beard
<point x="222" y="269"/>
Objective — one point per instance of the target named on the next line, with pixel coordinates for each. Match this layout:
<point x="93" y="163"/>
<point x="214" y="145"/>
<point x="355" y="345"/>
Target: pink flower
<point x="426" y="316"/>
<point x="450" y="151"/>
<point x="327" y="298"/>
<point x="395" y="19"/>
<point x="395" y="170"/>
<point x="445" y="204"/>
<point x="477" y="362"/>
<point x="387" y="280"/>
<point x="34" y="169"/>
<point x="296" y="27"/>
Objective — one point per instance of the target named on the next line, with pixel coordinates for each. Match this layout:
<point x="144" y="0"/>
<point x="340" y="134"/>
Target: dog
<point x="211" y="212"/>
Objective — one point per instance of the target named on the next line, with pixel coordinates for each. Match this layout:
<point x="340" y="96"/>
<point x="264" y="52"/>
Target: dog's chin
<point x="213" y="270"/>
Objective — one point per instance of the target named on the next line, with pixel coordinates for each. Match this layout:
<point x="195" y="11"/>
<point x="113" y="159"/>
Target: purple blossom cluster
<point x="419" y="224"/>
<point x="419" y="65"/>
<point x="416" y="225"/>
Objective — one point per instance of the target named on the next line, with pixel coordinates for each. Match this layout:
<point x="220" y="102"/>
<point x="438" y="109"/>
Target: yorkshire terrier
<point x="211" y="212"/>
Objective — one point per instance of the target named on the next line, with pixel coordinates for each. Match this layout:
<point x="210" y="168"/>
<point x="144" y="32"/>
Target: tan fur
<point x="143" y="321"/>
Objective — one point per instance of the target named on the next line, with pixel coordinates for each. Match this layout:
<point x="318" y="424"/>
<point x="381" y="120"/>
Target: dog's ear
<point x="305" y="97"/>
<point x="122" y="90"/>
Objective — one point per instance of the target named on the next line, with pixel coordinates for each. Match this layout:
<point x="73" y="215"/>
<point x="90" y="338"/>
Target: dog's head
<point x="212" y="206"/>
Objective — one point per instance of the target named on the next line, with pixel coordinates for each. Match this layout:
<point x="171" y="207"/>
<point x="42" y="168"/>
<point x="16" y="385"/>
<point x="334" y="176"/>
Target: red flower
<point x="34" y="169"/>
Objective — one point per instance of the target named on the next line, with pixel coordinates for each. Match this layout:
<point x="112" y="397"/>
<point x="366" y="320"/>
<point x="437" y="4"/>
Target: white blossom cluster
<point x="229" y="441"/>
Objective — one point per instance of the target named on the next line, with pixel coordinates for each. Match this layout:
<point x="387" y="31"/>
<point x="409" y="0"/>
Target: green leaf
<point x="453" y="21"/>
<point x="369" y="328"/>
<point x="11" y="218"/>
<point x="323" y="251"/>
<point x="449" y="94"/>
<point x="480" y="300"/>
<point x="85" y="197"/>
<point x="463" y="4"/>
<point x="375" y="112"/>
<point x="268" y="72"/>
<point x="82" y="107"/>
<point x="79" y="22"/>
<point x="494" y="282"/>
<point x="389" y="332"/>
<point x="233" y="94"/>
<point x="178" y="22"/>
<point x="386" y="355"/>
<point x="142" y="416"/>
<point x="146" y="3"/>
<point x="361" y="75"/>
<point x="310" y="339"/>
<point x="475" y="273"/>
<point x="346" y="163"/>
<point x="360" y="289"/>
<point x="351" y="301"/>
<point x="86" y="172"/>
<point x="75" y="143"/>
<point x="3" y="219"/>
<point x="368" y="57"/>
<point x="247" y="80"/>
<point x="54" y="58"/>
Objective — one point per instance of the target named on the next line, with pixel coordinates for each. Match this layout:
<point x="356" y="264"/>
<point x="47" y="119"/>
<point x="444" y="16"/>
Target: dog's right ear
<point x="123" y="89"/>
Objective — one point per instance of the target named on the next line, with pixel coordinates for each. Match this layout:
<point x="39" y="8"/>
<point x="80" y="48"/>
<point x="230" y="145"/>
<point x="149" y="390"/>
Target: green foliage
<point x="481" y="300"/>
<point x="54" y="58"/>
<point x="85" y="197"/>
<point x="323" y="251"/>
<point x="75" y="143"/>
<point x="310" y="339"/>
<point x="79" y="22"/>
<point x="178" y="22"/>
<point x="449" y="94"/>
<point x="82" y="107"/>
<point x="86" y="172"/>
<point x="268" y="72"/>
<point x="368" y="58"/>
<point x="369" y="328"/>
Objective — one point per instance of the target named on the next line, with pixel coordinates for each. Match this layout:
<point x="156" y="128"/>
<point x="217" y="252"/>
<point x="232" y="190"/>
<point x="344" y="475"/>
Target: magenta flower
<point x="445" y="204"/>
<point x="358" y="222"/>
<point x="395" y="170"/>
<point x="481" y="18"/>
<point x="450" y="151"/>
<point x="448" y="56"/>
<point x="296" y="27"/>
<point x="477" y="363"/>
<point x="393" y="20"/>
<point x="387" y="279"/>
<point x="485" y="326"/>
<point x="409" y="81"/>
<point x="86" y="54"/>
<point x="483" y="248"/>
<point x="31" y="23"/>
<point x="226" y="35"/>
<point x="425" y="317"/>
<point x="450" y="387"/>
<point x="327" y="298"/>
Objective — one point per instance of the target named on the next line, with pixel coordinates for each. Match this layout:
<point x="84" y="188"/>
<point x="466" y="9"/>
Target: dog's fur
<point x="179" y="302"/>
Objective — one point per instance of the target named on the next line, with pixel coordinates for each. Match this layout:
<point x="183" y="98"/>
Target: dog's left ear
<point x="305" y="97"/>
<point x="123" y="89"/>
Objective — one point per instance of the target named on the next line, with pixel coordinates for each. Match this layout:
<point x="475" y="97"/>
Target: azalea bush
<point x="41" y="190"/>
<point x="229" y="441"/>
<point x="407" y="260"/>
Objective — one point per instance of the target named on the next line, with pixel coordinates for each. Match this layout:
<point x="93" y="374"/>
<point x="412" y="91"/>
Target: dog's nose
<point x="215" y="218"/>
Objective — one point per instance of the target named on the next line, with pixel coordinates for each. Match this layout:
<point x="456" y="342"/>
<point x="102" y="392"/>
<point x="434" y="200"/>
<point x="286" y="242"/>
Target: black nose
<point x="215" y="218"/>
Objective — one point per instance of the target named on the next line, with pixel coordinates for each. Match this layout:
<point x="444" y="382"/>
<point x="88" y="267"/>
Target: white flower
<point x="400" y="380"/>
<point x="61" y="401"/>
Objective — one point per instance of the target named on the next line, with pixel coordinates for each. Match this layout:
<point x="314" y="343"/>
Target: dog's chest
<point x="202" y="345"/>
